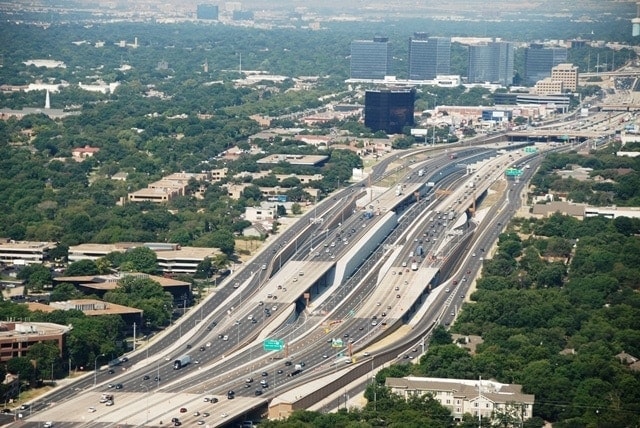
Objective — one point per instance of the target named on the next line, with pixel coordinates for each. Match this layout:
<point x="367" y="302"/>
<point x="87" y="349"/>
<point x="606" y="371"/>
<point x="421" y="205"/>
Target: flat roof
<point x="90" y="307"/>
<point x="109" y="282"/>
<point x="294" y="159"/>
<point x="26" y="245"/>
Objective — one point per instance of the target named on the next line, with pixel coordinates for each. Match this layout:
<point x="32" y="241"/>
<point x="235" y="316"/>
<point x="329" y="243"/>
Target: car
<point x="177" y="423"/>
<point x="374" y="323"/>
<point x="208" y="344"/>
<point x="119" y="386"/>
<point x="214" y="400"/>
<point x="258" y="392"/>
<point x="111" y="371"/>
<point x="263" y="381"/>
<point x="247" y="385"/>
<point x="124" y="359"/>
<point x="260" y="303"/>
<point x="384" y="314"/>
<point x="378" y="304"/>
<point x="473" y="254"/>
<point x="249" y="380"/>
<point x="366" y="354"/>
<point x="174" y="419"/>
<point x="6" y="411"/>
<point x="231" y="395"/>
<point x="202" y="348"/>
<point x="196" y="362"/>
<point x="183" y="410"/>
<point x="464" y="279"/>
<point x="265" y="385"/>
<point x="274" y="308"/>
<point x="250" y="317"/>
<point x="346" y="335"/>
<point x="200" y="422"/>
<point x="109" y="403"/>
<point x="225" y="337"/>
<point x="91" y="409"/>
<point x="325" y="356"/>
<point x="446" y="290"/>
<point x="398" y="296"/>
<point x="188" y="346"/>
<point x="280" y="371"/>
<point x="223" y="415"/>
<point x="265" y="374"/>
<point x="111" y="385"/>
<point x="254" y="321"/>
<point x="397" y="288"/>
<point x="287" y="363"/>
<point x="196" y="413"/>
<point x="206" y="415"/>
<point x="206" y="399"/>
<point x="220" y="336"/>
<point x="48" y="424"/>
<point x="145" y="377"/>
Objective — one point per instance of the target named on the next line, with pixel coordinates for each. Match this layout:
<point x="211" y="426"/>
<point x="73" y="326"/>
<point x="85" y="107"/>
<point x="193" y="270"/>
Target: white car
<point x="274" y="308"/>
<point x="92" y="409"/>
<point x="48" y="424"/>
<point x="225" y="337"/>
<point x="223" y="415"/>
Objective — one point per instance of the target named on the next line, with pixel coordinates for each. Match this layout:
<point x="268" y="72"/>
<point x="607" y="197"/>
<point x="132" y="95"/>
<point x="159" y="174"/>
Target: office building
<point x="389" y="110"/>
<point x="567" y="74"/>
<point x="483" y="399"/>
<point x="371" y="59"/>
<point x="429" y="57"/>
<point x="538" y="62"/>
<point x="16" y="338"/>
<point x="207" y="11"/>
<point x="491" y="63"/>
<point x="22" y="253"/>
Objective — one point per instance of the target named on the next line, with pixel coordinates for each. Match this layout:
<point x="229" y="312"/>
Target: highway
<point x="224" y="335"/>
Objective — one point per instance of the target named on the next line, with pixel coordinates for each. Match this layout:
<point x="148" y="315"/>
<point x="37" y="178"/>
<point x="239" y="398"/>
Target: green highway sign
<point x="273" y="345"/>
<point x="530" y="149"/>
<point x="513" y="172"/>
<point x="337" y="343"/>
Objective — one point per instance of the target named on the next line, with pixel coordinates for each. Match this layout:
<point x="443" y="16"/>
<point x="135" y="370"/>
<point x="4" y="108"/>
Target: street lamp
<point x="238" y="331"/>
<point x="95" y="369"/>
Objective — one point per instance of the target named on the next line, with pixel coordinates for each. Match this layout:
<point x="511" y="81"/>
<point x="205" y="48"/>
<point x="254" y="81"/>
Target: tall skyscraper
<point x="491" y="62"/>
<point x="371" y="59"/>
<point x="207" y="11"/>
<point x="429" y="56"/>
<point x="538" y="62"/>
<point x="389" y="110"/>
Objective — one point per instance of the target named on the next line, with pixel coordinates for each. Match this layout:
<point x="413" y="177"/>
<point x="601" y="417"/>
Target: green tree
<point x="82" y="268"/>
<point x="142" y="259"/>
<point x="64" y="291"/>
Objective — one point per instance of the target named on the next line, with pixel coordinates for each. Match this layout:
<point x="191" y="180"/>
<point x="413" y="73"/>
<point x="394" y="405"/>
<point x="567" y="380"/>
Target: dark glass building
<point x="389" y="110"/>
<point x="429" y="57"/>
<point x="538" y="62"/>
<point x="207" y="11"/>
<point x="371" y="59"/>
<point x="491" y="62"/>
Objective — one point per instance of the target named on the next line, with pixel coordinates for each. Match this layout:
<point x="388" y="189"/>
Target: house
<point x="479" y="398"/>
<point x="82" y="153"/>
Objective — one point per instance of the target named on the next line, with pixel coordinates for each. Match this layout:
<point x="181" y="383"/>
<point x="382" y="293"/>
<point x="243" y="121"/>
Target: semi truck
<point x="182" y="361"/>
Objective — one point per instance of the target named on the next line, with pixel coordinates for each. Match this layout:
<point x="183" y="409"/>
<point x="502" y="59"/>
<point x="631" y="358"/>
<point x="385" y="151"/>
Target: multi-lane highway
<point x="290" y="292"/>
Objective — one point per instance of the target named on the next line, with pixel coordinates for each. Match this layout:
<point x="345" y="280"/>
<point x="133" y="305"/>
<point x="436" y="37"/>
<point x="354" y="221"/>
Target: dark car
<point x="288" y="363"/>
<point x="258" y="392"/>
<point x="145" y="377"/>
<point x="119" y="386"/>
<point x="265" y="374"/>
<point x="111" y="371"/>
<point x="124" y="359"/>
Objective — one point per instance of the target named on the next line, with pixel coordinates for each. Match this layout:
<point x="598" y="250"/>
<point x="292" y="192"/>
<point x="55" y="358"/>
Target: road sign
<point x="513" y="172"/>
<point x="337" y="343"/>
<point x="273" y="345"/>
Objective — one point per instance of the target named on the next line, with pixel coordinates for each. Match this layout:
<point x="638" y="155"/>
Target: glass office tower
<point x="429" y="56"/>
<point x="371" y="59"/>
<point x="389" y="110"/>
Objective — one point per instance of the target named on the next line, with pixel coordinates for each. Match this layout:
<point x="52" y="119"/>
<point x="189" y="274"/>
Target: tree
<point x="36" y="276"/>
<point x="64" y="291"/>
<point x="142" y="259"/>
<point x="82" y="268"/>
<point x="296" y="209"/>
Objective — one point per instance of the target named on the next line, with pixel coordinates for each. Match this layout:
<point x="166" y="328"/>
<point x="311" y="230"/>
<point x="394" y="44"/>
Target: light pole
<point x="158" y="375"/>
<point x="95" y="369"/>
<point x="238" y="331"/>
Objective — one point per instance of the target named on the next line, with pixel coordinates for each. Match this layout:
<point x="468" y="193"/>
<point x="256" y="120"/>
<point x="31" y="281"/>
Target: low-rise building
<point x="480" y="398"/>
<point x="172" y="258"/>
<point x="24" y="252"/>
<point x="306" y="160"/>
<point x="100" y="284"/>
<point x="255" y="214"/>
<point x="92" y="308"/>
<point x="17" y="337"/>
